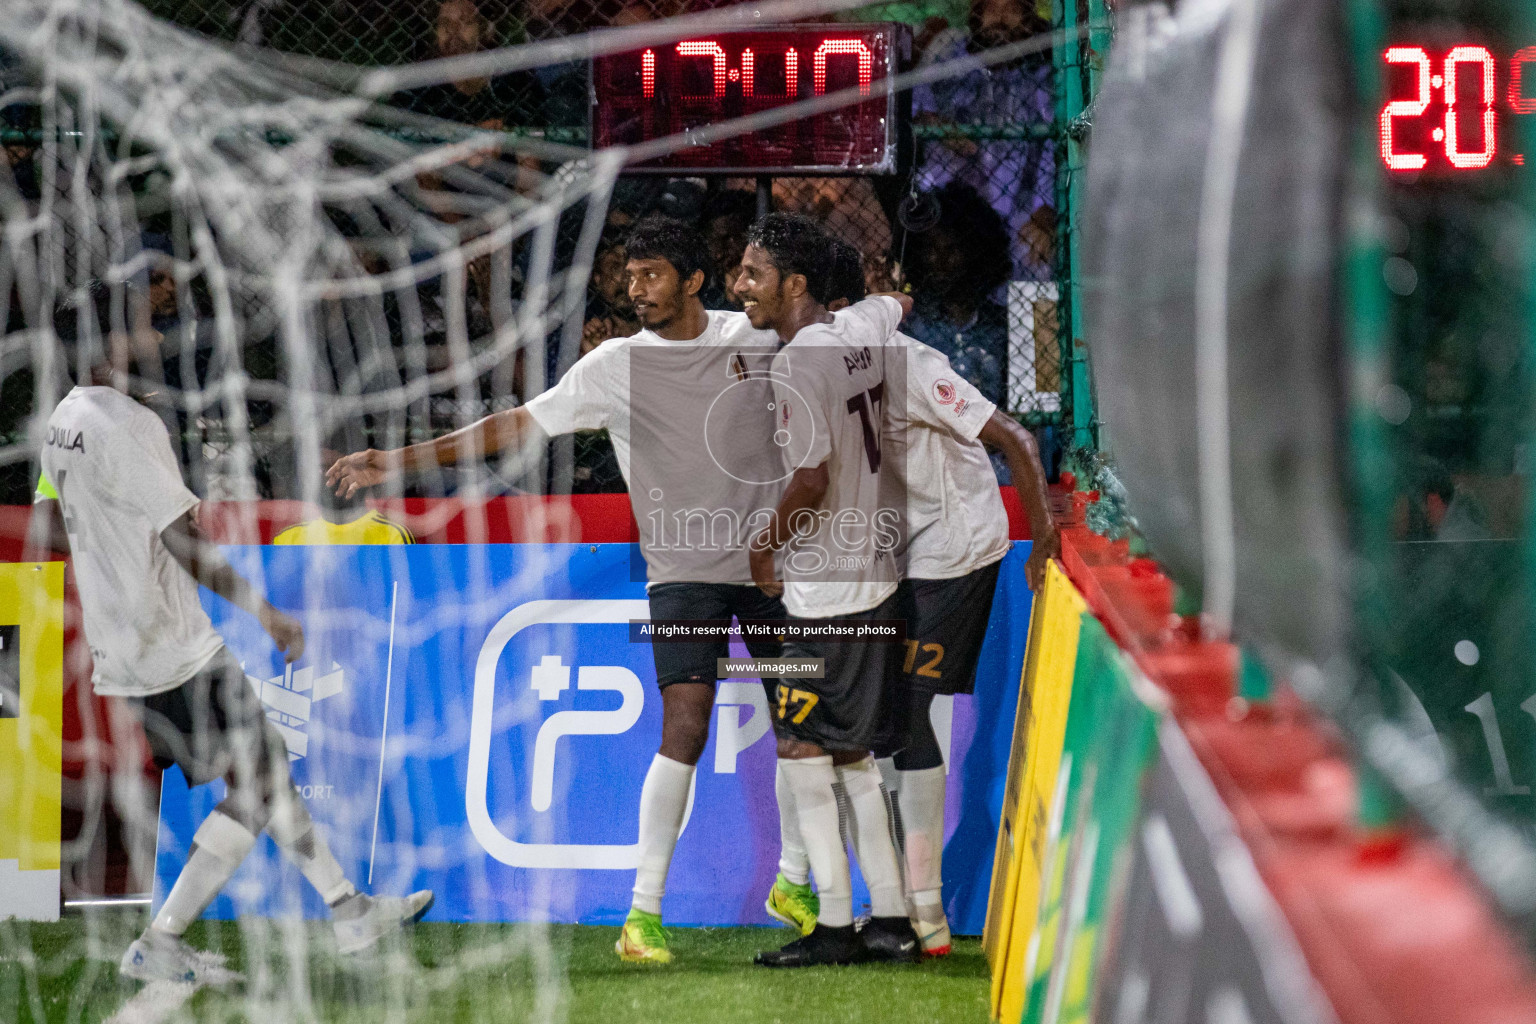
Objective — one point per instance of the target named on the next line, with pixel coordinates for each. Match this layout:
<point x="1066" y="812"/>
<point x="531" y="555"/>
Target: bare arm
<point x="1023" y="455"/>
<point x="206" y="564"/>
<point x="804" y="494"/>
<point x="509" y="429"/>
<point x="46" y="536"/>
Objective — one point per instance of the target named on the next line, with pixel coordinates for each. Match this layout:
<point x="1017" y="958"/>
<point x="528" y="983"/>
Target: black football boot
<point x="823" y="946"/>
<point x="891" y="940"/>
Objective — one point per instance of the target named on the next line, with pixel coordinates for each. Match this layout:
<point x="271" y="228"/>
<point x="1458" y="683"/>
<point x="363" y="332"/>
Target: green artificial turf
<point x="66" y="973"/>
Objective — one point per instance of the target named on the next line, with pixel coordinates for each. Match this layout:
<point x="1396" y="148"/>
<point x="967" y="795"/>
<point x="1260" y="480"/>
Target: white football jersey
<point x="692" y="427"/>
<point x="833" y="383"/>
<point x="109" y="464"/>
<point x="955" y="521"/>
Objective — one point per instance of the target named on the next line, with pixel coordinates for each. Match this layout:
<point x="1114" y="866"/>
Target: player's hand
<point x="1041" y="551"/>
<point x="358" y="471"/>
<point x="285" y="632"/>
<point x="761" y="559"/>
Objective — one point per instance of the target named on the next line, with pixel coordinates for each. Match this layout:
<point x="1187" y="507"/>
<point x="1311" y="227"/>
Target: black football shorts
<point x="855" y="706"/>
<point x="946" y="626"/>
<point x="695" y="661"/>
<point x="211" y="724"/>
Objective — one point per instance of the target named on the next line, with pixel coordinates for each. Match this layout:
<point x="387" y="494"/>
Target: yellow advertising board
<point x="1038" y="733"/>
<point x="31" y="737"/>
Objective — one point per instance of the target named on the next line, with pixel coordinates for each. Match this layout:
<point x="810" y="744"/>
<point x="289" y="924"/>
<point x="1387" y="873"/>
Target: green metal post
<point x="1072" y="97"/>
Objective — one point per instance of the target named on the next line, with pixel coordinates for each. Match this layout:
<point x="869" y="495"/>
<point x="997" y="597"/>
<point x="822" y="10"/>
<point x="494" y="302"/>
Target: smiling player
<point x="957" y="535"/>
<point x="830" y="379"/>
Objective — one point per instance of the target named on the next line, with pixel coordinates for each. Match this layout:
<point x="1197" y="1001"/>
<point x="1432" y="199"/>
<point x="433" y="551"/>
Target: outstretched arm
<point x="509" y="429"/>
<point x="205" y="563"/>
<point x="1023" y="455"/>
<point x="804" y="494"/>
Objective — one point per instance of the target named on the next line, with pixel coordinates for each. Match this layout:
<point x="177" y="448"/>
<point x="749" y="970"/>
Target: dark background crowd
<point x="973" y="213"/>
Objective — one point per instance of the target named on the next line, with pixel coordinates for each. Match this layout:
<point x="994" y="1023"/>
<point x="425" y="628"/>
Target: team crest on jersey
<point x="944" y="391"/>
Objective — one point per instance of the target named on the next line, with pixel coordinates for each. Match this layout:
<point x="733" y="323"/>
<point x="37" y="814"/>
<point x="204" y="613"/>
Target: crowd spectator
<point x="728" y="213"/>
<point x="1017" y="176"/>
<point x="495" y="103"/>
<point x="953" y="269"/>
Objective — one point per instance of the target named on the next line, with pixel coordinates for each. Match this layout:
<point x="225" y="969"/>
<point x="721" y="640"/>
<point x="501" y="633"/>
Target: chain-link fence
<point x="972" y="225"/>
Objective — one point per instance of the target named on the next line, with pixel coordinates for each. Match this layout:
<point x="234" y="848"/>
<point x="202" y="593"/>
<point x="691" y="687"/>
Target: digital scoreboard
<point x="674" y="89"/>
<point x="1451" y="109"/>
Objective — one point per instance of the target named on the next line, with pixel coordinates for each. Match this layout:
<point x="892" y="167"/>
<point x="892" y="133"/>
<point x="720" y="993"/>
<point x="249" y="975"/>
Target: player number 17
<point x="861" y="404"/>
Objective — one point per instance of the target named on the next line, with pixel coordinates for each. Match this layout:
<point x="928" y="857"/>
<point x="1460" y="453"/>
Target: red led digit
<point x="1518" y="101"/>
<point x="1405" y="108"/>
<point x="648" y="74"/>
<point x="791" y="74"/>
<point x="850" y="47"/>
<point x="1453" y="153"/>
<point x="707" y="49"/>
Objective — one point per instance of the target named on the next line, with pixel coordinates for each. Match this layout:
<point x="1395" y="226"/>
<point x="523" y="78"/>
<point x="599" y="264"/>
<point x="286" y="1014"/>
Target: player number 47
<point x="806" y="702"/>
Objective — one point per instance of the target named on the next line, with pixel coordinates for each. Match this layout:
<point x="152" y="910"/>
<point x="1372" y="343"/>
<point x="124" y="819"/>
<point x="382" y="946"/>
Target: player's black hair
<point x="796" y="245"/>
<point x="655" y="237"/>
<point x="847" y="277"/>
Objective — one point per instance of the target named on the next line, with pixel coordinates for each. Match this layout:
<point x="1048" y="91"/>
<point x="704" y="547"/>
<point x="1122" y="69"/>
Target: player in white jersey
<point x="685" y="403"/>
<point x="111" y="486"/>
<point x="830" y="380"/>
<point x="957" y="534"/>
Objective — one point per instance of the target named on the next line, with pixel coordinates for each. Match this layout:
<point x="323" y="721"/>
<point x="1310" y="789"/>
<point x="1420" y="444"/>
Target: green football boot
<point x="795" y="905"/>
<point x="643" y="940"/>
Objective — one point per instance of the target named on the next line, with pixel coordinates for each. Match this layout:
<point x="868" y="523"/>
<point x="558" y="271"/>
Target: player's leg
<point x="947" y="621"/>
<point x="686" y="674"/>
<point x="876" y="721"/>
<point x="791" y="899"/>
<point x="812" y="781"/>
<point x="920" y="797"/>
<point x="183" y="726"/>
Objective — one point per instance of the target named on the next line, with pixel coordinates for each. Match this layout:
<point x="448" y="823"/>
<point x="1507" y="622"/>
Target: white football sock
<point x="812" y="780"/>
<point x="663" y="802"/>
<point x="794" y="865"/>
<point x="922" y="816"/>
<point x="873" y="840"/>
<point x="295" y="834"/>
<point x="218" y="847"/>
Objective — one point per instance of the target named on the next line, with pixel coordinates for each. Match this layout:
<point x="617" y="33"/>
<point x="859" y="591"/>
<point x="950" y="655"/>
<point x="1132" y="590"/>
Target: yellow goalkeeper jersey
<point x="369" y="528"/>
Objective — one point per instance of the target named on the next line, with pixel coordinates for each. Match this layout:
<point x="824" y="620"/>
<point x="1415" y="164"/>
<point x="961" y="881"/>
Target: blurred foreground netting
<point x="1312" y="307"/>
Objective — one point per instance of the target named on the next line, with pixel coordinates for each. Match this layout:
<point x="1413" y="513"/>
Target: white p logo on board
<point x="732" y="735"/>
<point x="549" y="681"/>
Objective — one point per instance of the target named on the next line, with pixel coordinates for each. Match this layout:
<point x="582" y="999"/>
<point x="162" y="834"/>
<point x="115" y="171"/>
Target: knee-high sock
<point x="295" y="834"/>
<point x="873" y="839"/>
<point x="218" y="847"/>
<point x="813" y="781"/>
<point x="663" y="802"/>
<point x="794" y="865"/>
<point x="922" y="815"/>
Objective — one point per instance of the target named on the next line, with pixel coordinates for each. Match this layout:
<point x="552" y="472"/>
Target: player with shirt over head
<point x="111" y="486"/>
<point x="956" y="537"/>
<point x="830" y="381"/>
<point x="685" y="403"/>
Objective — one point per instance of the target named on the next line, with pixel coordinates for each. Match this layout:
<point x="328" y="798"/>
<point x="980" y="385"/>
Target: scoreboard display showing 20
<point x="1451" y="107"/>
<point x="682" y="88"/>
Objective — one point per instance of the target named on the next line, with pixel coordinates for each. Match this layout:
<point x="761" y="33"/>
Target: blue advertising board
<point x="475" y="719"/>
